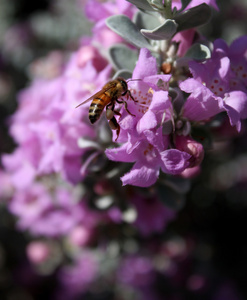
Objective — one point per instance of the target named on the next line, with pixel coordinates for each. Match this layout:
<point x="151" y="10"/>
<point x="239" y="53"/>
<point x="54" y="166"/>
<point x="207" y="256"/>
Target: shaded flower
<point x="152" y="215"/>
<point x="77" y="278"/>
<point x="145" y="144"/>
<point x="136" y="271"/>
<point x="211" y="91"/>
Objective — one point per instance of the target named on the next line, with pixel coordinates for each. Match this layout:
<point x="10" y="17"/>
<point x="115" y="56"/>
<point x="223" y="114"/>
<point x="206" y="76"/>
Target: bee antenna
<point x="133" y="80"/>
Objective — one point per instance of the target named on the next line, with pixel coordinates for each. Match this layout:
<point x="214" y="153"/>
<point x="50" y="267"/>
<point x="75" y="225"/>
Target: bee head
<point x="123" y="83"/>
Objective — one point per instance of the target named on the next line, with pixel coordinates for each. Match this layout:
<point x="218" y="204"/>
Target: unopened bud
<point x="195" y="149"/>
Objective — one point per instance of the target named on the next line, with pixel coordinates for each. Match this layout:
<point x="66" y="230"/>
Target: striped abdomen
<point x="97" y="106"/>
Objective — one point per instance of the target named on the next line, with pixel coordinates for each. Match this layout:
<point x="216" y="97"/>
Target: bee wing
<point x="107" y="87"/>
<point x="90" y="98"/>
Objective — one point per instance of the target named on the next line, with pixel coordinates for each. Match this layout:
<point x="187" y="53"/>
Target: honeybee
<point x="107" y="97"/>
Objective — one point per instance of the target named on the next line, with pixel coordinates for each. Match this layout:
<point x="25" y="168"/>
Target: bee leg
<point x="125" y="106"/>
<point x="114" y="126"/>
<point x="117" y="113"/>
<point x="128" y="94"/>
<point x="110" y="112"/>
<point x="112" y="109"/>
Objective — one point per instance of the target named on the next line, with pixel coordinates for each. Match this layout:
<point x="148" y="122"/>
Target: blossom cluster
<point x="97" y="190"/>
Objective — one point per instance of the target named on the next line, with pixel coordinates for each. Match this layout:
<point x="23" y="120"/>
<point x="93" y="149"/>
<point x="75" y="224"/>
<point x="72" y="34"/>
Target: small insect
<point x="107" y="97"/>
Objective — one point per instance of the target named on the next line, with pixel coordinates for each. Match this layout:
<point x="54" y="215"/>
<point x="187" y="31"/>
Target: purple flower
<point x="6" y="187"/>
<point x="50" y="212"/>
<point x="141" y="135"/>
<point x="237" y="53"/>
<point x="152" y="215"/>
<point x="212" y="90"/>
<point x="148" y="161"/>
<point x="185" y="40"/>
<point x="62" y="214"/>
<point x="193" y="3"/>
<point x="192" y="147"/>
<point x="98" y="12"/>
<point x="47" y="126"/>
<point x="28" y="204"/>
<point x="77" y="278"/>
<point x="136" y="271"/>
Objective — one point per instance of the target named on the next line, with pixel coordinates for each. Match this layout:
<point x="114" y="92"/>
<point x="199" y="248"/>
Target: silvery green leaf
<point x="193" y="17"/>
<point x="126" y="74"/>
<point x="156" y="4"/>
<point x="124" y="27"/>
<point x="104" y="202"/>
<point x="141" y="4"/>
<point x="123" y="57"/>
<point x="198" y="52"/>
<point x="129" y="215"/>
<point x="86" y="143"/>
<point x="146" y="21"/>
<point x="163" y="32"/>
<point x="177" y="99"/>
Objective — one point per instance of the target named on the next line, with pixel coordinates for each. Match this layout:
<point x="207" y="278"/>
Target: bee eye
<point x="124" y="84"/>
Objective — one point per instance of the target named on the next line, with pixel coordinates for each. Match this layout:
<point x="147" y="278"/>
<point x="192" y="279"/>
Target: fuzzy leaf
<point x="141" y="4"/>
<point x="123" y="57"/>
<point x="163" y="32"/>
<point x="193" y="17"/>
<point x="198" y="52"/>
<point x="124" y="27"/>
<point x="146" y="21"/>
<point x="126" y="74"/>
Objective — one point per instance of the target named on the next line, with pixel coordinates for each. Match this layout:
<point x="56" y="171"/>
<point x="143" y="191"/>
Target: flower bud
<point x="195" y="149"/>
<point x="191" y="172"/>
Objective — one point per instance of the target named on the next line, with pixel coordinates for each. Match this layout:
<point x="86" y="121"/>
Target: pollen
<point x="148" y="149"/>
<point x="143" y="100"/>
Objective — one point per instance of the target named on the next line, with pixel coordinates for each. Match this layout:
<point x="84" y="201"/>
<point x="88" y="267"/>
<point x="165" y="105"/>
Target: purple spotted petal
<point x="201" y="104"/>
